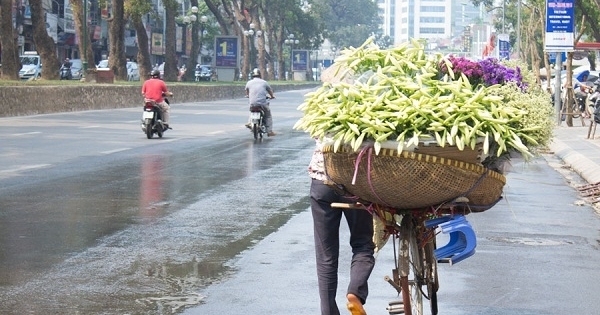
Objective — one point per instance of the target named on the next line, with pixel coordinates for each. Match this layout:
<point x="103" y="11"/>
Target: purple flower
<point x="486" y="72"/>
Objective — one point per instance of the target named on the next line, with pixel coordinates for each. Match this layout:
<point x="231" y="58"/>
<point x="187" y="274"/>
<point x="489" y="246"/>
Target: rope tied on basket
<point x="369" y="151"/>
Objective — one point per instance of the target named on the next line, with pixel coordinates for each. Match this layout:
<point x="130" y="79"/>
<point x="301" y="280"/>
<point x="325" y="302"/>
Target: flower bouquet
<point x="403" y="97"/>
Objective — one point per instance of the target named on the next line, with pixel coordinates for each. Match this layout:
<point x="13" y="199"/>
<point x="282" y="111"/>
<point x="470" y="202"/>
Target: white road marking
<point x="25" y="168"/>
<point x="115" y="151"/>
<point x="216" y="132"/>
<point x="89" y="127"/>
<point x="27" y="133"/>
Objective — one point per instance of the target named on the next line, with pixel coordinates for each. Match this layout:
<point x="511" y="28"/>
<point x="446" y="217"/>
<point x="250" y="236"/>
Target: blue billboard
<point x="226" y="51"/>
<point x="299" y="60"/>
<point x="560" y="25"/>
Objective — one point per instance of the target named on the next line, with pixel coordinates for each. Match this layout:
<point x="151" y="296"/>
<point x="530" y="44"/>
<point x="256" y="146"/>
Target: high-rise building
<point x="440" y="22"/>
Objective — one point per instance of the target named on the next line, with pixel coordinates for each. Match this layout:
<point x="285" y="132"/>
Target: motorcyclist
<point x="67" y="65"/>
<point x="257" y="91"/>
<point x="155" y="89"/>
<point x="197" y="72"/>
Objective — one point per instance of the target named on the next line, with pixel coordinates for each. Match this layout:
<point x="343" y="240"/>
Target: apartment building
<point x="443" y="23"/>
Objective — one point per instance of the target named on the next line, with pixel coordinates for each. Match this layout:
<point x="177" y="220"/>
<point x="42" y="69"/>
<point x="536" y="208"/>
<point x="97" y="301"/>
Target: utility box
<point x="105" y="76"/>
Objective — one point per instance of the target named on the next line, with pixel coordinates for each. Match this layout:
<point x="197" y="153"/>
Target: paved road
<point x="536" y="255"/>
<point x="96" y="219"/>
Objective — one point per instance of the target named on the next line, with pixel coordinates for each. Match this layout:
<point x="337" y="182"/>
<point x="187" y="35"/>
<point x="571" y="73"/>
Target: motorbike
<point x="257" y="124"/>
<point x="594" y="101"/>
<point x="152" y="119"/>
<point x="65" y="73"/>
<point x="197" y="74"/>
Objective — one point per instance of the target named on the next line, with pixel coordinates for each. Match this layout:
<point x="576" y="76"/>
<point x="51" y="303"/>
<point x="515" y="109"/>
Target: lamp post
<point x="291" y="41"/>
<point x="84" y="62"/>
<point x="203" y="21"/>
<point x="250" y="37"/>
<point x="196" y="48"/>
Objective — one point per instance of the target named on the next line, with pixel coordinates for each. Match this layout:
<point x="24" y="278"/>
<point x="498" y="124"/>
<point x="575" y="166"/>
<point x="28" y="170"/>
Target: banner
<point x="226" y="51"/>
<point x="560" y="25"/>
<point x="52" y="26"/>
<point x="503" y="46"/>
<point x="299" y="60"/>
<point x="157" y="44"/>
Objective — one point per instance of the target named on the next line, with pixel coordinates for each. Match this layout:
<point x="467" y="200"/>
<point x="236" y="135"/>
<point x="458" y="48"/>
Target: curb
<point x="583" y="166"/>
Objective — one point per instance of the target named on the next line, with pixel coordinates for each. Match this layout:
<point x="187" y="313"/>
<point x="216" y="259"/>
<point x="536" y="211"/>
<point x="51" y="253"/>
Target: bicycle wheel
<point x="431" y="275"/>
<point x="411" y="258"/>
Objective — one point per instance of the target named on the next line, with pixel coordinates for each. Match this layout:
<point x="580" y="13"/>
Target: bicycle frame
<point x="414" y="275"/>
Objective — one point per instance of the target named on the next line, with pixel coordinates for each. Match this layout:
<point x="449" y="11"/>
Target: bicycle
<point x="415" y="272"/>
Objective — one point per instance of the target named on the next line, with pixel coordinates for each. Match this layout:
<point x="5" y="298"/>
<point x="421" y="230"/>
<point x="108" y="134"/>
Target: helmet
<point x="255" y="73"/>
<point x="66" y="59"/>
<point x="155" y="74"/>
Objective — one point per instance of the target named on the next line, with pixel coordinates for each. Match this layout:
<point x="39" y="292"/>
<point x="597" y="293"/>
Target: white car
<point x="103" y="64"/>
<point x="31" y="65"/>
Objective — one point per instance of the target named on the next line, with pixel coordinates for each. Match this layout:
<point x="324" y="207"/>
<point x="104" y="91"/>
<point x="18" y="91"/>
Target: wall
<point x="31" y="100"/>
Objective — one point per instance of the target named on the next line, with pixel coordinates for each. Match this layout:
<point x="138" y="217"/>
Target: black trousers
<point x="326" y="221"/>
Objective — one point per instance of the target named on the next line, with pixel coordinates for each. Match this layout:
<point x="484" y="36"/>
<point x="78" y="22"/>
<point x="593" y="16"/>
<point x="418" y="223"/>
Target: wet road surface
<point x="536" y="255"/>
<point x="97" y="219"/>
<point x="100" y="220"/>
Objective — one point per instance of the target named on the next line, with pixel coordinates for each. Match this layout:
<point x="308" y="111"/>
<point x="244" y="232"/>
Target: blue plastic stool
<point x="462" y="238"/>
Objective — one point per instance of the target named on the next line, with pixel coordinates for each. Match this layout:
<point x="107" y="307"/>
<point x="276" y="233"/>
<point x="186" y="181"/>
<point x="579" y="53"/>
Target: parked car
<point x="103" y="64"/>
<point x="76" y="69"/>
<point x="133" y="72"/>
<point x="31" y="65"/>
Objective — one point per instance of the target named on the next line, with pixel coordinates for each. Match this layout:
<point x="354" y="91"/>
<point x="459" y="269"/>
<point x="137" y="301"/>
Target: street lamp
<point x="250" y="35"/>
<point x="203" y="21"/>
<point x="291" y="41"/>
<point x="196" y="49"/>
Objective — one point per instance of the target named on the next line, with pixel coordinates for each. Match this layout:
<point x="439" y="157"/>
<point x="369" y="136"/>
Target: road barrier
<point x="33" y="100"/>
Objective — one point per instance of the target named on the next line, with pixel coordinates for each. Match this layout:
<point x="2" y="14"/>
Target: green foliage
<point x="348" y="23"/>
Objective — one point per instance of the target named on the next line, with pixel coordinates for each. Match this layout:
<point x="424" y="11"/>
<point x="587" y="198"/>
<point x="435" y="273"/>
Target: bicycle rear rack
<point x="462" y="238"/>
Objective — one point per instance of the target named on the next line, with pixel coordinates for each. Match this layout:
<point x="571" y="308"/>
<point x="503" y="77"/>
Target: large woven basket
<point x="410" y="180"/>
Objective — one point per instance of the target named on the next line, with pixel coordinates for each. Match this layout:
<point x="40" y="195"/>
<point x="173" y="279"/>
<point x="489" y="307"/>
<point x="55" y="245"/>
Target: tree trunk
<point x="10" y="56"/>
<point x="116" y="34"/>
<point x="143" y="55"/>
<point x="44" y="44"/>
<point x="87" y="54"/>
<point x="171" y="70"/>
<point x="280" y="57"/>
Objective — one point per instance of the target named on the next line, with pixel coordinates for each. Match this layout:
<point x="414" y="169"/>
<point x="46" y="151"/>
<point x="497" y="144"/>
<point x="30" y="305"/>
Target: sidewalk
<point x="577" y="151"/>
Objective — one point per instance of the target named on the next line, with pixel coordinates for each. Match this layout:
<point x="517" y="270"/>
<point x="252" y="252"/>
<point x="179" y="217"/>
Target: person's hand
<point x="169" y="93"/>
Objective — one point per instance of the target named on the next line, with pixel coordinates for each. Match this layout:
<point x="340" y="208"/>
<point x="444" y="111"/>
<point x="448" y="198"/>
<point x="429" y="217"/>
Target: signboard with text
<point x="226" y="51"/>
<point x="299" y="60"/>
<point x="503" y="46"/>
<point x="560" y="25"/>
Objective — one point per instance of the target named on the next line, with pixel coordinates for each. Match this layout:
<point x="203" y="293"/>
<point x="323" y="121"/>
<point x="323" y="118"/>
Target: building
<point x="445" y="24"/>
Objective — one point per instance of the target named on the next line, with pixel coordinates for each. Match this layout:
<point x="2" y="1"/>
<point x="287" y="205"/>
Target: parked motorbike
<point x="65" y="73"/>
<point x="257" y="124"/>
<point x="197" y="74"/>
<point x="594" y="101"/>
<point x="152" y="119"/>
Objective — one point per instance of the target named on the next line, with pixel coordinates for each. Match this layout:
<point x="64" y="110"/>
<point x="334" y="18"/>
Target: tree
<point x="135" y="9"/>
<point x="348" y="22"/>
<point x="44" y="44"/>
<point x="10" y="57"/>
<point x="116" y="36"/>
<point x="85" y="43"/>
<point x="171" y="70"/>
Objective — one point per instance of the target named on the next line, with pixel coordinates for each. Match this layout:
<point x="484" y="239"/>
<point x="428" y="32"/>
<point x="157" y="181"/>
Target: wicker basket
<point x="410" y="180"/>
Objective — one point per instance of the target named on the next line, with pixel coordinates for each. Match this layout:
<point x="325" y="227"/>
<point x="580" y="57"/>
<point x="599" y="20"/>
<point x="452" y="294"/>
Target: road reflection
<point x="152" y="195"/>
